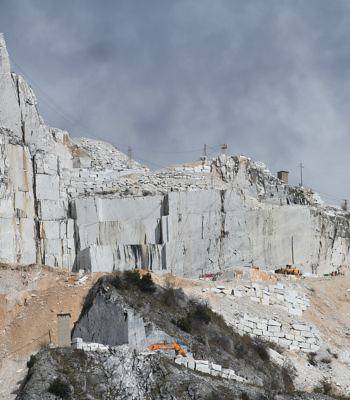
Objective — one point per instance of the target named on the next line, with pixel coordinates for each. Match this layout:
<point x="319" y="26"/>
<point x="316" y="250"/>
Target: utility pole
<point x="205" y="151"/>
<point x="129" y="156"/>
<point x="344" y="205"/>
<point x="223" y="148"/>
<point x="301" y="166"/>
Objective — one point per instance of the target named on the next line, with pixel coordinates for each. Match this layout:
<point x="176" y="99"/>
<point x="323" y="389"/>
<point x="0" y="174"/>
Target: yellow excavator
<point x="168" y="346"/>
<point x="288" y="270"/>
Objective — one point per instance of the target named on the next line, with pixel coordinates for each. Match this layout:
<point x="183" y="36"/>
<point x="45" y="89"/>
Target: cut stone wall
<point x="207" y="367"/>
<point x="288" y="299"/>
<point x="296" y="336"/>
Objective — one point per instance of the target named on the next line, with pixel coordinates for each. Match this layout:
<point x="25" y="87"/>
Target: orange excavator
<point x="168" y="346"/>
<point x="289" y="270"/>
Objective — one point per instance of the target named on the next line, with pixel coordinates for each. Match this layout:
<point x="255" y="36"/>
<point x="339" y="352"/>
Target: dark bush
<point x="60" y="388"/>
<point x="247" y="340"/>
<point x="146" y="284"/>
<point x="201" y="313"/>
<point x="132" y="277"/>
<point x="327" y="387"/>
<point x="326" y="360"/>
<point x="184" y="324"/>
<point x="244" y="396"/>
<point x="262" y="351"/>
<point x="240" y="352"/>
<point x="287" y="376"/>
<point x="212" y="396"/>
<point x="168" y="297"/>
<point x="117" y="282"/>
<point x="324" y="388"/>
<point x="221" y="341"/>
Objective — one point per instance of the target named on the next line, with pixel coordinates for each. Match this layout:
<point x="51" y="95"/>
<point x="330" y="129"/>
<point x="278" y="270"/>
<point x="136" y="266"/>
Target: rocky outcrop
<point x="224" y="365"/>
<point x="107" y="319"/>
<point x="81" y="203"/>
<point x="125" y="375"/>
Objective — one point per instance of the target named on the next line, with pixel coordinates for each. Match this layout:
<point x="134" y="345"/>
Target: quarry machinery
<point x="168" y="346"/>
<point x="288" y="270"/>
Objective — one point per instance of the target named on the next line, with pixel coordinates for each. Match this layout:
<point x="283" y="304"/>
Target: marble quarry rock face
<point x="82" y="204"/>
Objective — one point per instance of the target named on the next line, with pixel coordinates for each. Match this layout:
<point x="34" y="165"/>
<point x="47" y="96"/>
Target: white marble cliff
<point x="81" y="203"/>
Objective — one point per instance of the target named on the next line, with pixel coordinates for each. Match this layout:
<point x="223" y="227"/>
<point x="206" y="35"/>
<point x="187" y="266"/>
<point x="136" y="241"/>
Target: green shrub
<point x="117" y="282"/>
<point x="212" y="396"/>
<point x="146" y="284"/>
<point x="60" y="388"/>
<point x="240" y="351"/>
<point x="132" y="277"/>
<point x="261" y="349"/>
<point x="221" y="341"/>
<point x="324" y="388"/>
<point x="168" y="297"/>
<point x="184" y="324"/>
<point x="201" y="313"/>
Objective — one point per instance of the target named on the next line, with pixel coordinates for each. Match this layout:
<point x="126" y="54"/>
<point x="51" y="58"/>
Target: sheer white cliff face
<point x="83" y="204"/>
<point x="10" y="116"/>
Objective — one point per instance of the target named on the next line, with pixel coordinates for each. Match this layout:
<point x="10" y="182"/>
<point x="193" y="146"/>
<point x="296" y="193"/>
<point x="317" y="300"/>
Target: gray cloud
<point x="270" y="78"/>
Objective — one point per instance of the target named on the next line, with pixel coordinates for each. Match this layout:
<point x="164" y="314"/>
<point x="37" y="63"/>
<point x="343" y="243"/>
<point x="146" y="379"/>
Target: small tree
<point x="132" y="277"/>
<point x="202" y="313"/>
<point x="146" y="284"/>
<point x="184" y="324"/>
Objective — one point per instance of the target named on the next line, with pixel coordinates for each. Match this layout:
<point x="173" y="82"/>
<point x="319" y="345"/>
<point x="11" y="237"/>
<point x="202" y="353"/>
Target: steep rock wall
<point x="205" y="231"/>
<point x="80" y="203"/>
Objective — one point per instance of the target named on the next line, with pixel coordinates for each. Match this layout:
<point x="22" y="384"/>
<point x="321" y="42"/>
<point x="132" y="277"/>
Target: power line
<point x="27" y="344"/>
<point x="51" y="103"/>
<point x="151" y="163"/>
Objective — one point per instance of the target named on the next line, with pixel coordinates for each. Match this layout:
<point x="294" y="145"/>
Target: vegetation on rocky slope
<point x="123" y="373"/>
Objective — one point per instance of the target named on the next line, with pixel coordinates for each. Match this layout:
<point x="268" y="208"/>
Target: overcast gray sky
<point x="268" y="77"/>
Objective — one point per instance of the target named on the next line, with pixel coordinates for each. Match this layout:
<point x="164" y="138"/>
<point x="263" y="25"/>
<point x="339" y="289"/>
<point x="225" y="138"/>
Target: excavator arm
<point x="168" y="346"/>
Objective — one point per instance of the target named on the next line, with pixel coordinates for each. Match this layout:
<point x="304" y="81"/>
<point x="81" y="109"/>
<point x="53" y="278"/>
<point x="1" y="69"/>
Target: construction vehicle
<point x="168" y="346"/>
<point x="288" y="270"/>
